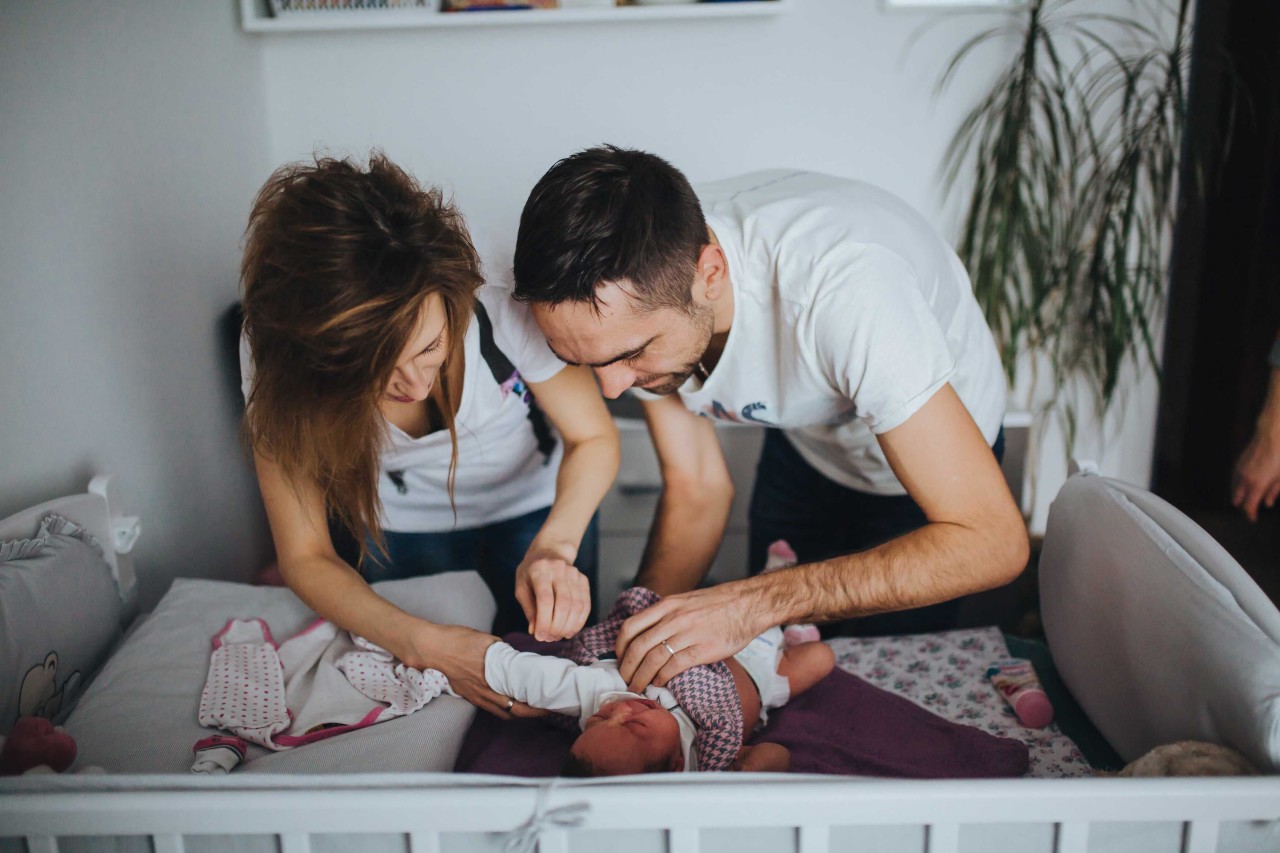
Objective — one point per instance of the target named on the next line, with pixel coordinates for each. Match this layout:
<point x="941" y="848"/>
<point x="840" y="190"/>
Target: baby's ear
<point x="677" y="763"/>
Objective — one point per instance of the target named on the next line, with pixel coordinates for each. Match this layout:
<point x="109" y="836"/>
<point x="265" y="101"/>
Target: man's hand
<point x="555" y="596"/>
<point x="1256" y="478"/>
<point x="703" y="626"/>
<point x="459" y="653"/>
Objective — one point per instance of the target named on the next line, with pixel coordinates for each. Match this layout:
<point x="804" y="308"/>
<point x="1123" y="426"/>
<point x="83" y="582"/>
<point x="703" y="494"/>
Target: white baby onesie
<point x="562" y="686"/>
<point x="320" y="683"/>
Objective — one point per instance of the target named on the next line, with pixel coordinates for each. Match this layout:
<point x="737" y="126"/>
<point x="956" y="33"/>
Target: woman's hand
<point x="459" y="653"/>
<point x="555" y="596"/>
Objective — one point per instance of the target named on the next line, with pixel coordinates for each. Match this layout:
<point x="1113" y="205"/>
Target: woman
<point x="394" y="398"/>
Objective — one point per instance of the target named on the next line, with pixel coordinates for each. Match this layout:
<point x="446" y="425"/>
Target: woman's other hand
<point x="459" y="653"/>
<point x="555" y="596"/>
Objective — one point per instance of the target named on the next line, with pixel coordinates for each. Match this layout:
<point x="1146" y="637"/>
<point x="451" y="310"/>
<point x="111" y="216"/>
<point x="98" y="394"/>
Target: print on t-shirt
<point x="510" y="381"/>
<point x="718" y="411"/>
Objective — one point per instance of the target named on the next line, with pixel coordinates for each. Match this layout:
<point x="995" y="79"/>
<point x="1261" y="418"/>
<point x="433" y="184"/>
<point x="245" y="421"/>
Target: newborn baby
<point x="697" y="722"/>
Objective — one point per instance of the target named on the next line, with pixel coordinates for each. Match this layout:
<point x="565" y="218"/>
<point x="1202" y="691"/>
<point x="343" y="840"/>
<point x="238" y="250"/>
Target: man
<point x="824" y="308"/>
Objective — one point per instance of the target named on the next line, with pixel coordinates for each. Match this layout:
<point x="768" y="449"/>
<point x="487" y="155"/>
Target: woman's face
<point x="420" y="360"/>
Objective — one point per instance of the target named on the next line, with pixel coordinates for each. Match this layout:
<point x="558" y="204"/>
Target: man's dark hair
<point x="609" y="214"/>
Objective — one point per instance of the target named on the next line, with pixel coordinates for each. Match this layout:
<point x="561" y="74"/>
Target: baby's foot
<point x="781" y="556"/>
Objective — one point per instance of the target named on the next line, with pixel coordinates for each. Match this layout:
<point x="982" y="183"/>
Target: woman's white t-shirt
<point x="850" y="312"/>
<point x="508" y="452"/>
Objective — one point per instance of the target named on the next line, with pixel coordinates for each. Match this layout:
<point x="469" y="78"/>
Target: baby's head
<point x="627" y="736"/>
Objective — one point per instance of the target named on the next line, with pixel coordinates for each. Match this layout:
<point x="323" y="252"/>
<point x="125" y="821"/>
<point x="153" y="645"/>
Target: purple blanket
<point x="842" y="725"/>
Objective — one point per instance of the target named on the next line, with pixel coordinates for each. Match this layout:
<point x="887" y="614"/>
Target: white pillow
<point x="1156" y="645"/>
<point x="139" y="714"/>
<point x="60" y="613"/>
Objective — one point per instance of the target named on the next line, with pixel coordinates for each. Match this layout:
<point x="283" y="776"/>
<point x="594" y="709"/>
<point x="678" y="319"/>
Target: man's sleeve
<point x="877" y="341"/>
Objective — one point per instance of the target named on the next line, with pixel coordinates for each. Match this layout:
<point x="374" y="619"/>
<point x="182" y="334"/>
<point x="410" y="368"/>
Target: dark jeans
<point x="821" y="519"/>
<point x="495" y="551"/>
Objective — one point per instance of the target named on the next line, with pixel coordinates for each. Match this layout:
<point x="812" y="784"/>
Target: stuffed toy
<point x="34" y="742"/>
<point x="1188" y="758"/>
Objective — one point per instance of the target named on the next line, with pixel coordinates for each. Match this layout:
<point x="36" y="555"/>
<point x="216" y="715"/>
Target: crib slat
<point x="1071" y="838"/>
<point x="683" y="840"/>
<point x="295" y="842"/>
<point x="813" y="839"/>
<point x="167" y="844"/>
<point x="942" y="838"/>
<point x="553" y="841"/>
<point x="1200" y="836"/>
<point x="42" y="844"/>
<point x="424" y="842"/>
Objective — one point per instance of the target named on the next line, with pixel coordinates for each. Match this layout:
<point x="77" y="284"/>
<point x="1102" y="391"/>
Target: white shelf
<point x="257" y="19"/>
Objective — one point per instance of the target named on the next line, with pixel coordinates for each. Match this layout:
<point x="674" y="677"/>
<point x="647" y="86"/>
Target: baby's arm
<point x="550" y="683"/>
<point x="763" y="758"/>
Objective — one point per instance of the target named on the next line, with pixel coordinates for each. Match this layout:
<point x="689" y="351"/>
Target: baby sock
<point x="780" y="556"/>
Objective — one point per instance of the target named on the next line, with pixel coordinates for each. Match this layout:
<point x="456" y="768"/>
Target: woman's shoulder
<point x="509" y="333"/>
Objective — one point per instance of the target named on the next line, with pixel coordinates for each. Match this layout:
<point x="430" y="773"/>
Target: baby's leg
<point x="805" y="665"/>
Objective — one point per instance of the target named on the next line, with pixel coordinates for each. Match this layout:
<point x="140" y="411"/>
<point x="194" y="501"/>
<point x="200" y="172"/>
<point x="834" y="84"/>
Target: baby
<point x="697" y="722"/>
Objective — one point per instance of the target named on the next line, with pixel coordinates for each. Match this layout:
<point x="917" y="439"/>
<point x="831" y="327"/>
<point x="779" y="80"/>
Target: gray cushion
<point x="1157" y="632"/>
<point x="140" y="713"/>
<point x="60" y="613"/>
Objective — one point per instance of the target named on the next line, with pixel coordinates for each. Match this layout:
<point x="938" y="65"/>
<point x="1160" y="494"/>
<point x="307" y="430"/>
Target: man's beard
<point x="704" y="320"/>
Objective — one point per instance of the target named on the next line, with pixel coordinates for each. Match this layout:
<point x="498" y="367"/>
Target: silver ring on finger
<point x="667" y="646"/>
<point x="510" y="704"/>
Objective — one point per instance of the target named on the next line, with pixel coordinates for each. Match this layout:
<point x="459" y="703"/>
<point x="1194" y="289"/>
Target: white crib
<point x="433" y="813"/>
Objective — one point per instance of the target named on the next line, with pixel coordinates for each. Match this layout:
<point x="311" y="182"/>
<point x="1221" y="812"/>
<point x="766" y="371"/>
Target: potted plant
<point x="1075" y="156"/>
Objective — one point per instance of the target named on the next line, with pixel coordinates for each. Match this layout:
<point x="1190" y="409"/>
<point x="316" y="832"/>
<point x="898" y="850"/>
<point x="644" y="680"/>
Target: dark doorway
<point x="1224" y="303"/>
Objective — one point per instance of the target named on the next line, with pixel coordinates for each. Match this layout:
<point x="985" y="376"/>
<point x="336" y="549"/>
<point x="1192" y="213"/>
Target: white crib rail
<point x="685" y="810"/>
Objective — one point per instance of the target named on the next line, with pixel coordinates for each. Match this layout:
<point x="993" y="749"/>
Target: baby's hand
<point x="762" y="758"/>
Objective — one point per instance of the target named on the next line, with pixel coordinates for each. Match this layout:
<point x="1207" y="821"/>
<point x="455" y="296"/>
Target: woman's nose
<point x="615" y="379"/>
<point x="416" y="382"/>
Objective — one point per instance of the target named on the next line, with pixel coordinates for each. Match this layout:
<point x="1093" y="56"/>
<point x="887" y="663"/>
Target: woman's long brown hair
<point x="339" y="260"/>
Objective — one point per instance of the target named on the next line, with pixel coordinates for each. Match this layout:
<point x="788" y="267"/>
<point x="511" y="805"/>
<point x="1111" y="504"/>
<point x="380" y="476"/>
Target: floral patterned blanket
<point x="946" y="674"/>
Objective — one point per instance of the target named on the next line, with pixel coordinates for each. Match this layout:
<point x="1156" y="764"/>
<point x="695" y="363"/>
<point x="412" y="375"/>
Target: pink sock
<point x="781" y="555"/>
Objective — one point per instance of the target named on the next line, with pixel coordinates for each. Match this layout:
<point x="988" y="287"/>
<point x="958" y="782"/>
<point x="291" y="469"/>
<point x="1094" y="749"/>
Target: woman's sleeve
<point x="517" y="335"/>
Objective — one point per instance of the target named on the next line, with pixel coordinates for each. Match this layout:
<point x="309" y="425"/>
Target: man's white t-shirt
<point x="850" y="312"/>
<point x="508" y="452"/>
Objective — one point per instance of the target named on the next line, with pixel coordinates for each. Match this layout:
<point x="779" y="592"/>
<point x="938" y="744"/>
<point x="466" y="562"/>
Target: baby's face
<point x="631" y="736"/>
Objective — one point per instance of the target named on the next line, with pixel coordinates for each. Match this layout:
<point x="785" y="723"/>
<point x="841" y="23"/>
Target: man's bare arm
<point x="975" y="539"/>
<point x="696" y="494"/>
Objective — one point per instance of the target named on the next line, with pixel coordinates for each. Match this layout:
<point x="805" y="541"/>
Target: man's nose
<point x="615" y="379"/>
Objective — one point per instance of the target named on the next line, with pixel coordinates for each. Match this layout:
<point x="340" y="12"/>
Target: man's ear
<point x="713" y="271"/>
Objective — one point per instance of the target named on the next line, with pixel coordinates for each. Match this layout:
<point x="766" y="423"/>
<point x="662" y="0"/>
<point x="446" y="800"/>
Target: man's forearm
<point x="936" y="563"/>
<point x="683" y="541"/>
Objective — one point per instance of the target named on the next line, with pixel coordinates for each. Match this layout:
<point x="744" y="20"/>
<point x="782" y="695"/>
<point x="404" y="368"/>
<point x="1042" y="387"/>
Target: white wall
<point x="133" y="136"/>
<point x="834" y="85"/>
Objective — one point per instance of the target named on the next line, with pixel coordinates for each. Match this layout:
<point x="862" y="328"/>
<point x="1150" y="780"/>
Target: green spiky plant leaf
<point x="1074" y="155"/>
